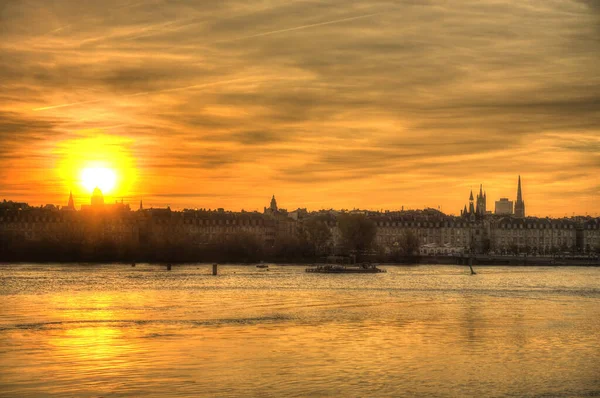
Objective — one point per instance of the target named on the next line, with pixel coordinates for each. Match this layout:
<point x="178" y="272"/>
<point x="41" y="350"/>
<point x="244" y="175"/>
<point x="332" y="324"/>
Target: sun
<point x="94" y="159"/>
<point x="101" y="177"/>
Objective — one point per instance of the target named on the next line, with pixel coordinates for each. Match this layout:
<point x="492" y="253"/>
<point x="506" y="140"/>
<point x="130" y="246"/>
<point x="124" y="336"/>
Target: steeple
<point x="273" y="204"/>
<point x="71" y="205"/>
<point x="141" y="205"/>
<point x="471" y="206"/>
<point x="519" y="204"/>
<point x="481" y="207"/>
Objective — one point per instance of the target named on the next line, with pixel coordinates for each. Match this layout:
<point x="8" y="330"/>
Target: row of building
<point x="438" y="233"/>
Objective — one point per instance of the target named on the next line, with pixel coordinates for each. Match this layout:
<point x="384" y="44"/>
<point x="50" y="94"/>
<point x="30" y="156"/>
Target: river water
<point x="114" y="330"/>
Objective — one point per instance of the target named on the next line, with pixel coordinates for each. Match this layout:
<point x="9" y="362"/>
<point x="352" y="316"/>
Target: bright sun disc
<point x="100" y="177"/>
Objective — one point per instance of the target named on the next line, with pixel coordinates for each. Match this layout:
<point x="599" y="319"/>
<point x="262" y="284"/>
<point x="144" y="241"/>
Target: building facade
<point x="504" y="207"/>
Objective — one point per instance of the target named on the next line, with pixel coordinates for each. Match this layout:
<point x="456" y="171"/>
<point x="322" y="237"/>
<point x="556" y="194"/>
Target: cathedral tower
<point x="481" y="207"/>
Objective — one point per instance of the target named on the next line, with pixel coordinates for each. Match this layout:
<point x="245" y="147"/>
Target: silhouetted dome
<point x="97" y="197"/>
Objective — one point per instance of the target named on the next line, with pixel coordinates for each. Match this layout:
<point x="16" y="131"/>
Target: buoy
<point x="133" y="264"/>
<point x="168" y="267"/>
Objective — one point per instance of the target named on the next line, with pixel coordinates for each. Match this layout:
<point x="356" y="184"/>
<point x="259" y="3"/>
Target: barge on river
<point x="365" y="268"/>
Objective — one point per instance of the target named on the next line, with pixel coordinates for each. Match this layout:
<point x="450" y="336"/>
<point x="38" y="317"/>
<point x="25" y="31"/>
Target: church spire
<point x="71" y="204"/>
<point x="471" y="206"/>
<point x="519" y="204"/>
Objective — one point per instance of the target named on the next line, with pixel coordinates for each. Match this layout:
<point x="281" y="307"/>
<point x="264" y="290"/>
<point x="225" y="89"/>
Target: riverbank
<point x="414" y="261"/>
<point x="512" y="260"/>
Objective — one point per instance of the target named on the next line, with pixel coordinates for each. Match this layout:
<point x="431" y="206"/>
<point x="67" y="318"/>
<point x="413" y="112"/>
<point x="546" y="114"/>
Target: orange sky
<point x="327" y="104"/>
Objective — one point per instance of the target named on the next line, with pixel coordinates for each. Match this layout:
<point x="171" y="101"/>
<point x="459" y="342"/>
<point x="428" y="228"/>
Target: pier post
<point x="471" y="265"/>
<point x="168" y="267"/>
<point x="214" y="269"/>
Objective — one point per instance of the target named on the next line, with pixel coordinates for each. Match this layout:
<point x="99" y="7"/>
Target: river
<point x="113" y="330"/>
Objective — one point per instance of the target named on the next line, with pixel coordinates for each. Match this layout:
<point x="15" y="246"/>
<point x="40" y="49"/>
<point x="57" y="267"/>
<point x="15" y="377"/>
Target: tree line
<point x="312" y="243"/>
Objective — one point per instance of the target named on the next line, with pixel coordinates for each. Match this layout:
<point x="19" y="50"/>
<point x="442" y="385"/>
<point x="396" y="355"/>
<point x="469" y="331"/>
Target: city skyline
<point x="355" y="104"/>
<point x="477" y="205"/>
<point x="299" y="198"/>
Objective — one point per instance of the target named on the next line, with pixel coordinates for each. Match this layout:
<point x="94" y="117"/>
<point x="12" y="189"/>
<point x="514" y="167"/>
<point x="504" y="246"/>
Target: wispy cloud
<point x="348" y="103"/>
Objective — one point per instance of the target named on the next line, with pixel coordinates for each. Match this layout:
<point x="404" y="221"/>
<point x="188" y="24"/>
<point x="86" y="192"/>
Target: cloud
<point x="412" y="101"/>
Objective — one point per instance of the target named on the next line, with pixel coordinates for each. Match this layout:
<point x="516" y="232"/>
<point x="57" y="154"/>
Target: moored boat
<point x="365" y="268"/>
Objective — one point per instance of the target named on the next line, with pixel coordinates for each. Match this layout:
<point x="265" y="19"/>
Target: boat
<point x="262" y="265"/>
<point x="364" y="268"/>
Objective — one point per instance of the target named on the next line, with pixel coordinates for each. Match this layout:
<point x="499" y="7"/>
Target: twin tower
<point x="503" y="206"/>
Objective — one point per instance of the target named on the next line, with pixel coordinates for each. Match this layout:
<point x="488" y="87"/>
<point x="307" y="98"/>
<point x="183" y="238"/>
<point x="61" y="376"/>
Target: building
<point x="97" y="201"/>
<point x="298" y="214"/>
<point x="590" y="239"/>
<point x="534" y="235"/>
<point x="272" y="209"/>
<point x="10" y="205"/>
<point x="438" y="233"/>
<point x="504" y="207"/>
<point x="433" y="228"/>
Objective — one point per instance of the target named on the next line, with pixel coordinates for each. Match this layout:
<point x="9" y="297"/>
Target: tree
<point x="357" y="232"/>
<point x="318" y="234"/>
<point x="291" y="248"/>
<point x="486" y="245"/>
<point x="239" y="247"/>
<point x="406" y="249"/>
<point x="409" y="244"/>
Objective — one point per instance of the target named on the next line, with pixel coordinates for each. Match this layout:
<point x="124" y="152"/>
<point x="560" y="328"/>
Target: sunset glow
<point x="93" y="159"/>
<point x="362" y="104"/>
<point x="299" y="198"/>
